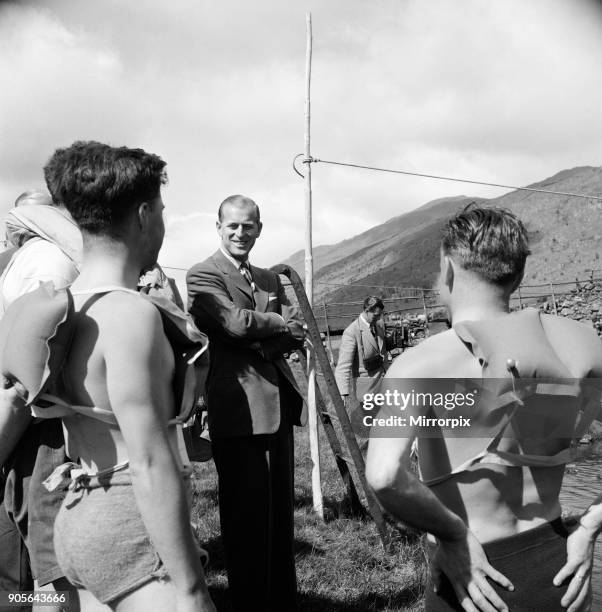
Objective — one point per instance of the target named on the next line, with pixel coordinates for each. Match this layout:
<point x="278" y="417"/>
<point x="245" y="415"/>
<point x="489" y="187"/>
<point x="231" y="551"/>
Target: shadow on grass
<point x="333" y="508"/>
<point x="217" y="556"/>
<point x="369" y="602"/>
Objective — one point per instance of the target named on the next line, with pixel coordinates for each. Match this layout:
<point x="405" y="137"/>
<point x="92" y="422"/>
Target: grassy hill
<point x="566" y="240"/>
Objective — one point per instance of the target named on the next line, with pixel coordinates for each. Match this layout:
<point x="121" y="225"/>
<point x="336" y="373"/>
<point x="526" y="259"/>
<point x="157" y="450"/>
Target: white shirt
<point x="238" y="265"/>
<point x="234" y="262"/>
<point x="36" y="262"/>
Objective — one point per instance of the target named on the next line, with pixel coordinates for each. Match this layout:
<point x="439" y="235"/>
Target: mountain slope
<point x="375" y="248"/>
<point x="565" y="231"/>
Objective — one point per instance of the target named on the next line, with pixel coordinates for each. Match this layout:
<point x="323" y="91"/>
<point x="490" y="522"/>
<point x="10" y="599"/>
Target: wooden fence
<point x="333" y="317"/>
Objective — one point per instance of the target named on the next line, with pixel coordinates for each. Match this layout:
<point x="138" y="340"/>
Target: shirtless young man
<point x="492" y="502"/>
<point x="123" y="535"/>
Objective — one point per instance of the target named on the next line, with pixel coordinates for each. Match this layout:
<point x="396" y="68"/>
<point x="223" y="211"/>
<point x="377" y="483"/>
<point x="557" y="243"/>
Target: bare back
<point x="495" y="500"/>
<point x="99" y="367"/>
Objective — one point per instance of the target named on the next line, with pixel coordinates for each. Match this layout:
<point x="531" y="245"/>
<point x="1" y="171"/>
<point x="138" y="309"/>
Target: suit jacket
<point x="247" y="343"/>
<point x="357" y="344"/>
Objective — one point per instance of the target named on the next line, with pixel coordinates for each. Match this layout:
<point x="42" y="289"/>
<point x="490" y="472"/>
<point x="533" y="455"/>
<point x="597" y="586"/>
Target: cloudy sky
<point x="507" y="91"/>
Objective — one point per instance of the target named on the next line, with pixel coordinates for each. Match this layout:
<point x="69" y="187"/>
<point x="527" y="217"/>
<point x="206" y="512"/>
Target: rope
<point x="425" y="289"/>
<point x="174" y="268"/>
<point x="448" y="178"/>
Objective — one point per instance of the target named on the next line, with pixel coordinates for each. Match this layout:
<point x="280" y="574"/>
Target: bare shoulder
<point x="573" y="341"/>
<point x="126" y="314"/>
<point x="431" y="358"/>
<point x="576" y="330"/>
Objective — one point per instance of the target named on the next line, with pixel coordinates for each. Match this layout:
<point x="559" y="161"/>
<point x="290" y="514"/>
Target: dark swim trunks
<point x="530" y="560"/>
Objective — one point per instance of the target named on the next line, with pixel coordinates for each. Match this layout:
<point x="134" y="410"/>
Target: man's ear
<point x="259" y="228"/>
<point x="448" y="272"/>
<point x="218" y="225"/>
<point x="144" y="210"/>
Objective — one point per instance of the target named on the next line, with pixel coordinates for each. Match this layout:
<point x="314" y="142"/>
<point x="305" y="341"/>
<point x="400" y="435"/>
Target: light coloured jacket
<point x="358" y="344"/>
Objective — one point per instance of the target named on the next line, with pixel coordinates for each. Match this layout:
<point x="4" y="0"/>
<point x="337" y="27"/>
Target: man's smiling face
<point x="238" y="230"/>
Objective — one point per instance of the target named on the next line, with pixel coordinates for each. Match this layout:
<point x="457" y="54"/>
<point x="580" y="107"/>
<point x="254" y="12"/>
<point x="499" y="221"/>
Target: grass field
<point x="341" y="565"/>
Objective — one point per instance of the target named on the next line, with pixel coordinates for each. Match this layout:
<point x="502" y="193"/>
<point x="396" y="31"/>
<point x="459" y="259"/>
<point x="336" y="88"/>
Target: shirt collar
<point x="233" y="261"/>
<point x="364" y="320"/>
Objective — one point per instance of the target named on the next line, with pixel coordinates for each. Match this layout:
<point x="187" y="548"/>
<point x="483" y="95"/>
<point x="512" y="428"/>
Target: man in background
<point x="362" y="358"/>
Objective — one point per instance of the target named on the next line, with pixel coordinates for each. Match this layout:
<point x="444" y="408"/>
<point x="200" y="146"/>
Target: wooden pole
<point x="426" y="316"/>
<point x="314" y="441"/>
<point x="335" y="445"/>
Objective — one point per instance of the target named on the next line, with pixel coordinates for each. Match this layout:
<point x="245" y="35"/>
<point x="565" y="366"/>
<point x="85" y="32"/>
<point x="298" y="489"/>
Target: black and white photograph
<point x="300" y="306"/>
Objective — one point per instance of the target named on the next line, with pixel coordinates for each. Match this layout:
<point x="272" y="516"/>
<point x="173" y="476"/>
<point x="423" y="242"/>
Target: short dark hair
<point x="491" y="242"/>
<point x="238" y="200"/>
<point x="372" y="302"/>
<point x="102" y="185"/>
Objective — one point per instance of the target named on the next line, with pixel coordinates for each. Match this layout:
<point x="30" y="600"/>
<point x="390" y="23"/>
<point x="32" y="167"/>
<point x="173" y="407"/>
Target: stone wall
<point x="582" y="304"/>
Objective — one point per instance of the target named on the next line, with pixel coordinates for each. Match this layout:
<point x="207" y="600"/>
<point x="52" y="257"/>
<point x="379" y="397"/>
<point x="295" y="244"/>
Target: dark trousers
<point x="28" y="510"/>
<point x="14" y="559"/>
<point x="256" y="514"/>
<point x="530" y="560"/>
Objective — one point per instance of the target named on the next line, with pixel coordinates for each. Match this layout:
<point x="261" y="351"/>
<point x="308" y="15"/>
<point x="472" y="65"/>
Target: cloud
<point x="501" y="91"/>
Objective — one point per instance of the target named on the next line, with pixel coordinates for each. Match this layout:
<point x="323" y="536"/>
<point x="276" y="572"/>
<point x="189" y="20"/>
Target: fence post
<point x="553" y="298"/>
<point x="427" y="331"/>
<point x="520" y="299"/>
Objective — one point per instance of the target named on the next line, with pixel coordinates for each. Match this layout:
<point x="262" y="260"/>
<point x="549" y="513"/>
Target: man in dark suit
<point x="253" y="402"/>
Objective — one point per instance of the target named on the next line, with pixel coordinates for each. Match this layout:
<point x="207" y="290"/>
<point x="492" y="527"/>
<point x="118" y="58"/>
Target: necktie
<point x="246" y="272"/>
<point x="373" y="329"/>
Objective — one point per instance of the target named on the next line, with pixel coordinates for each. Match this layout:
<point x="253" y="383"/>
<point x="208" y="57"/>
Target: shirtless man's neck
<point x="482" y="308"/>
<point x="109" y="262"/>
<point x="468" y="297"/>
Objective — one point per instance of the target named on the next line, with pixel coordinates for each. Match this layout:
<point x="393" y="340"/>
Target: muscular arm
<point x="347" y="353"/>
<point x="460" y="556"/>
<point x="212" y="309"/>
<point x="138" y="370"/>
<point x="398" y="489"/>
<point x="579" y="345"/>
